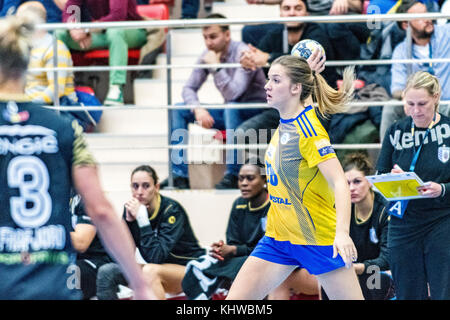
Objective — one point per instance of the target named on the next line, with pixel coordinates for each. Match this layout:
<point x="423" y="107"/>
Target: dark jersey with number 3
<point x="38" y="149"/>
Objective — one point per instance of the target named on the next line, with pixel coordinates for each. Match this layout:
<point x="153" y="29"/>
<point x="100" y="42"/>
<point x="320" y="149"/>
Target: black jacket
<point x="169" y="238"/>
<point x="246" y="226"/>
<point x="370" y="236"/>
<point x="433" y="164"/>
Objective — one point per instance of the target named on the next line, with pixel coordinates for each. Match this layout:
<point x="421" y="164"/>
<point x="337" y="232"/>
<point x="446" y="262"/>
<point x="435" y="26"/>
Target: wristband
<point x="443" y="190"/>
<point x="142" y="217"/>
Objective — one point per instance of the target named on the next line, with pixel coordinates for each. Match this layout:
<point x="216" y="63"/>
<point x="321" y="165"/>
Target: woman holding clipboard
<point x="418" y="237"/>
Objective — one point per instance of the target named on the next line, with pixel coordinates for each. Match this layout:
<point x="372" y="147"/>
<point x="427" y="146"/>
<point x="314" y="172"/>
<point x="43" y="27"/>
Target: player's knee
<point x="113" y="33"/>
<point x="152" y="272"/>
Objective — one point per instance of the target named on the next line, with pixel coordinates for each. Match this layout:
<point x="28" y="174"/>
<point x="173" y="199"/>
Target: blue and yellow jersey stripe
<point x="302" y="209"/>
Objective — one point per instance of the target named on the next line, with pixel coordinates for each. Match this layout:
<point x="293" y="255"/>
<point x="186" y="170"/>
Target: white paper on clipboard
<point x="397" y="186"/>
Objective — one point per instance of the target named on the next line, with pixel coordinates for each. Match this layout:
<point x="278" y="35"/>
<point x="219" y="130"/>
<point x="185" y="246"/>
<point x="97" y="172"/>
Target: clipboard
<point x="397" y="186"/>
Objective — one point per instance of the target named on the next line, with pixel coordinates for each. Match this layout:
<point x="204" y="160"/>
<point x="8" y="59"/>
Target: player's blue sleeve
<point x="9" y="7"/>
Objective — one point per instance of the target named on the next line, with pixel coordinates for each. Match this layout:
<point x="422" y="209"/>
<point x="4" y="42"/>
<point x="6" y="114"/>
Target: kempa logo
<point x="404" y="140"/>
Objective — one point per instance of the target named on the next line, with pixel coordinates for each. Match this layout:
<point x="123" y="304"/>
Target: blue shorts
<point x="315" y="259"/>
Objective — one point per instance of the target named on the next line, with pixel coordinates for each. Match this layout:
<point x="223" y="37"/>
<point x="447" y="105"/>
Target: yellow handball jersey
<point x="302" y="203"/>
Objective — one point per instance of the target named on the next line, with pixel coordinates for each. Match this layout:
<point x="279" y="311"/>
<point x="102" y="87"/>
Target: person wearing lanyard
<point x="418" y="237"/>
<point x="429" y="41"/>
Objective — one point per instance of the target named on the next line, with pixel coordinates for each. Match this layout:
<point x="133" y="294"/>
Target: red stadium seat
<point x="169" y="3"/>
<point x="155" y="11"/>
<point x="158" y="11"/>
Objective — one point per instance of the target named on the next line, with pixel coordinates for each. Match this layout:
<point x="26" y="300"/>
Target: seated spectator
<point x="345" y="37"/>
<point x="384" y="37"/>
<point x="40" y="85"/>
<point x="91" y="254"/>
<point x="54" y="8"/>
<point x="162" y="233"/>
<point x="360" y="124"/>
<point x="252" y="34"/>
<point x="385" y="6"/>
<point x="276" y="43"/>
<point x="237" y="85"/>
<point x="321" y="7"/>
<point x="246" y="226"/>
<point x="368" y="230"/>
<point x="118" y="41"/>
<point x="428" y="41"/>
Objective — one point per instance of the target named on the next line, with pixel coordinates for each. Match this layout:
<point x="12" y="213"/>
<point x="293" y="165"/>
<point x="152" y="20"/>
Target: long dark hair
<point x="358" y="161"/>
<point x="149" y="170"/>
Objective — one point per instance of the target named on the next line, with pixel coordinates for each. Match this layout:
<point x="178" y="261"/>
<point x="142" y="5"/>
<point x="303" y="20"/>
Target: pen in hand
<point x="397" y="169"/>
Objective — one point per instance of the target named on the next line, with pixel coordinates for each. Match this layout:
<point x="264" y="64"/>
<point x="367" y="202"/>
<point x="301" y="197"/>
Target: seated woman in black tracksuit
<point x="162" y="233"/>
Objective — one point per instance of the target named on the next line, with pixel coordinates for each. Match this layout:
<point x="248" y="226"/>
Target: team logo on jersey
<point x="285" y="138"/>
<point x="324" y="147"/>
<point x="171" y="220"/>
<point x="444" y="153"/>
<point x="373" y="235"/>
<point x="12" y="114"/>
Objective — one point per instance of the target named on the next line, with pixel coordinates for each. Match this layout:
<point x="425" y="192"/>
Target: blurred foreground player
<point x="41" y="155"/>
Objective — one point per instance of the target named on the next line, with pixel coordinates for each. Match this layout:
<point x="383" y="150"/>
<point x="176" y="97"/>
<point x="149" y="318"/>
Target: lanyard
<point x="416" y="153"/>
<point x="430" y="64"/>
<point x="398" y="208"/>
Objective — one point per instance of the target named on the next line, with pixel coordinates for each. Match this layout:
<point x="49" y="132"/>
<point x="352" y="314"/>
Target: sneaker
<point x="229" y="181"/>
<point x="114" y="96"/>
<point x="178" y="183"/>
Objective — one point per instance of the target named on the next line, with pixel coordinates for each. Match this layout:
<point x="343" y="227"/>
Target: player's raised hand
<point x="316" y="61"/>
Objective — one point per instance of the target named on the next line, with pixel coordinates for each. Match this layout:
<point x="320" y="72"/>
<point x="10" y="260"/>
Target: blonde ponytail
<point x="329" y="100"/>
<point x="332" y="101"/>
<point x="15" y="46"/>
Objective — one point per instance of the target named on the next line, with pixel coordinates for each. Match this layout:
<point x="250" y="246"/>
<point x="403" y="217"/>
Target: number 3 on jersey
<point x="271" y="176"/>
<point x="33" y="207"/>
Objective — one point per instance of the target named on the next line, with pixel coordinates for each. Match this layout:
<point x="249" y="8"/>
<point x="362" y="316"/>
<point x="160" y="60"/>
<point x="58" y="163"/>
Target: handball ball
<point x="306" y="47"/>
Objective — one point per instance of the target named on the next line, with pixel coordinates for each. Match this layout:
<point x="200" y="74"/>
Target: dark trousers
<point x="88" y="275"/>
<point x="423" y="262"/>
<point x="108" y="280"/>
